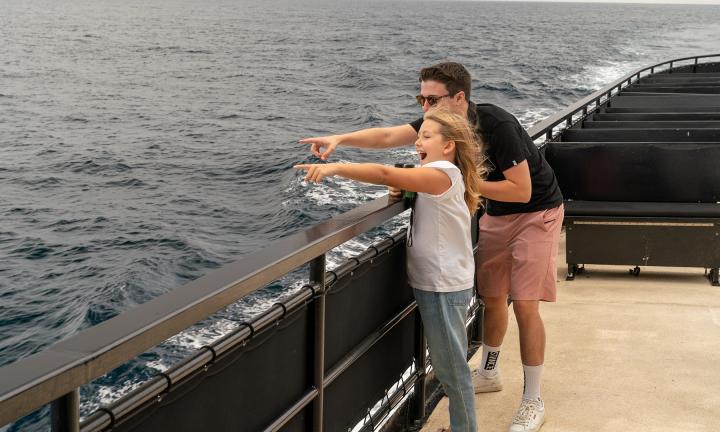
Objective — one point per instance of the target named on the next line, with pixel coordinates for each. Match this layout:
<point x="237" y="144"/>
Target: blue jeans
<point x="443" y="316"/>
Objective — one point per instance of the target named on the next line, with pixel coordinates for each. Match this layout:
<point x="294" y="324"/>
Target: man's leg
<point x="531" y="414"/>
<point x="495" y="322"/>
<point x="532" y="345"/>
<point x="493" y="263"/>
<point x="486" y="378"/>
<point x="533" y="279"/>
<point x="532" y="331"/>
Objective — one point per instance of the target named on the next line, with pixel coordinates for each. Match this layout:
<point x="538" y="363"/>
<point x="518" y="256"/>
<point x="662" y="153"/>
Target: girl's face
<point x="431" y="145"/>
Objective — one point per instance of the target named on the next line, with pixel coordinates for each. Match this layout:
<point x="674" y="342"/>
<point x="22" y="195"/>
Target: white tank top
<point x="440" y="258"/>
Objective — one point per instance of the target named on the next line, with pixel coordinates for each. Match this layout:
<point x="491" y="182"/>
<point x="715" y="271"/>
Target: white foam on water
<point x="335" y="190"/>
<point x="197" y="337"/>
<point x="594" y="77"/>
<point x="358" y="245"/>
<point x="105" y="395"/>
<point x="532" y="116"/>
<point x="158" y="365"/>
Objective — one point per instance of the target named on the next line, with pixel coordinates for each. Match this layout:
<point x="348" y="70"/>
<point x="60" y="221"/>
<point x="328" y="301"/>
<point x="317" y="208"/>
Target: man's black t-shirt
<point x="508" y="144"/>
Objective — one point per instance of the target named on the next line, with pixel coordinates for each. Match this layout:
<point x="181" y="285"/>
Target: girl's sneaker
<point x="529" y="417"/>
<point x="486" y="384"/>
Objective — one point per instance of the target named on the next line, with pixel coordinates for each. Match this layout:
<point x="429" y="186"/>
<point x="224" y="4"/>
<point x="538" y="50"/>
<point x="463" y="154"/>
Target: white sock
<point x="490" y="358"/>
<point x="532" y="381"/>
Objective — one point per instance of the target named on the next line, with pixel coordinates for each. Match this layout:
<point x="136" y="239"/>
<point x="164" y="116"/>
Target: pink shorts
<point x="516" y="254"/>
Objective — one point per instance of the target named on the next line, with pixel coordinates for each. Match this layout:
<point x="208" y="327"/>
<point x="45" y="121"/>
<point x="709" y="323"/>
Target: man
<point x="518" y="234"/>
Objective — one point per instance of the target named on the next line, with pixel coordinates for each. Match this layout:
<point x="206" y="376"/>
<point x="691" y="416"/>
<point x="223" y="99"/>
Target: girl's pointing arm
<point x="426" y="180"/>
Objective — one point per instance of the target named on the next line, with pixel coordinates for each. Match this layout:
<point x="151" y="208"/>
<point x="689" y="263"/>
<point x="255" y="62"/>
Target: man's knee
<point x="495" y="303"/>
<point x="526" y="309"/>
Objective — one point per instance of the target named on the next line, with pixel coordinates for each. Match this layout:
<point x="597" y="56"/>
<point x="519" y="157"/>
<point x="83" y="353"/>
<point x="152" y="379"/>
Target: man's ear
<point x="459" y="96"/>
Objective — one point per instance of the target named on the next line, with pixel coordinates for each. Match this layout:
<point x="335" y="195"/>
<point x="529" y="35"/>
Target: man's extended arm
<point x="374" y="138"/>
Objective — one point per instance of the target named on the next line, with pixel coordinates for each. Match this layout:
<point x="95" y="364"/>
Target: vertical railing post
<point x="418" y="412"/>
<point x="65" y="413"/>
<point x="317" y="279"/>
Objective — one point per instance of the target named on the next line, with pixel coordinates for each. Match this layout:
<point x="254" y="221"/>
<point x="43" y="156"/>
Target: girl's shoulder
<point x="441" y="164"/>
<point x="447" y="167"/>
<point x="453" y="173"/>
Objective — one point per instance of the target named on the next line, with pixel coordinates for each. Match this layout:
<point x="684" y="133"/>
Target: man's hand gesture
<point x="328" y="143"/>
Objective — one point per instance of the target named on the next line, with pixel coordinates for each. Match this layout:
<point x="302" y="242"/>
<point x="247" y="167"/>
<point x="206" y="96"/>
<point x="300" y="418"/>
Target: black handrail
<point x="583" y="106"/>
<point x="61" y="369"/>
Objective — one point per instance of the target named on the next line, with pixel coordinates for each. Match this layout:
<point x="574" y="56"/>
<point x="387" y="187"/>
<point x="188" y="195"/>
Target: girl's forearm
<point x="427" y="180"/>
<point x="365" y="172"/>
<point x="431" y="181"/>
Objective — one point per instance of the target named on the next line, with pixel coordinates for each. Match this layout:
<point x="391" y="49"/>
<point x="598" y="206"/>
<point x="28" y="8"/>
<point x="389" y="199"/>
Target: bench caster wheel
<point x="635" y="271"/>
<point x="573" y="269"/>
<point x="713" y="277"/>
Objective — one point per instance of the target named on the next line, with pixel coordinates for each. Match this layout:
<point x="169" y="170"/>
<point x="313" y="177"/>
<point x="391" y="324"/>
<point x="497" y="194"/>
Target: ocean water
<point x="143" y="144"/>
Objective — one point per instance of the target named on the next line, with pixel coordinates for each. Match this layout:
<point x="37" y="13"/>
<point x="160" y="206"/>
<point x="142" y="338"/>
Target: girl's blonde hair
<point x="469" y="151"/>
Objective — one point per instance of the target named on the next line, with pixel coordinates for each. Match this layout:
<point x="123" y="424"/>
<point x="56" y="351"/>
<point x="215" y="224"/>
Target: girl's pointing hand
<point x="317" y="172"/>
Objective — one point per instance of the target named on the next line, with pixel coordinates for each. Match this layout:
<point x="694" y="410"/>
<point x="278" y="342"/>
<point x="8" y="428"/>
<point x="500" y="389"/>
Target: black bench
<point x="640" y="203"/>
<point x="644" y="135"/>
<point x="700" y="89"/>
<point x="686" y="116"/>
<point x="651" y="124"/>
<point x="666" y="101"/>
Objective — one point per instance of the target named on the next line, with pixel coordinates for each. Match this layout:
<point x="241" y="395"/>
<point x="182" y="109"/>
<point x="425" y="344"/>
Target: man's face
<point x="435" y="94"/>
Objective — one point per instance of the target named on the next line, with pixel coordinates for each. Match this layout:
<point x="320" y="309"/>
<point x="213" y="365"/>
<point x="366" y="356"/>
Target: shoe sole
<point x="538" y="428"/>
<point x="488" y="390"/>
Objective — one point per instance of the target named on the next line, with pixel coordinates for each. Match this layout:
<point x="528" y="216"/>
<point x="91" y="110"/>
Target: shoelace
<point x="476" y="373"/>
<point x="528" y="411"/>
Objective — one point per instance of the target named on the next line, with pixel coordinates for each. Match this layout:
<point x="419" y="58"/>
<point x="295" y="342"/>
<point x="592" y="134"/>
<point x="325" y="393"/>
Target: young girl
<point x="440" y="262"/>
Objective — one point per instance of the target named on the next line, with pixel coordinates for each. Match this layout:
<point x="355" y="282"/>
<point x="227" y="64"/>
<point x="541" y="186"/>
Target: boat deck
<point x="623" y="353"/>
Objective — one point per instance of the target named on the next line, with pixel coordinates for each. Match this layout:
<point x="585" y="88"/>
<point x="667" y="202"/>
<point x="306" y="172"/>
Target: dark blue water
<point x="143" y="144"/>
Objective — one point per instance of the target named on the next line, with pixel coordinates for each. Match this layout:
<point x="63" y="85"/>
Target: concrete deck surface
<point x="623" y="353"/>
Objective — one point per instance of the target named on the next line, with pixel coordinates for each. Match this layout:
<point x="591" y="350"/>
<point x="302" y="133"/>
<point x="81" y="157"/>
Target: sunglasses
<point x="431" y="100"/>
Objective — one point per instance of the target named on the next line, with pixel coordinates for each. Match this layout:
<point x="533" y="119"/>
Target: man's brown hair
<point x="453" y="75"/>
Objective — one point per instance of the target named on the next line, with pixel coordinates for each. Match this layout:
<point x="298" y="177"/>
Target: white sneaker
<point x="529" y="417"/>
<point x="486" y="384"/>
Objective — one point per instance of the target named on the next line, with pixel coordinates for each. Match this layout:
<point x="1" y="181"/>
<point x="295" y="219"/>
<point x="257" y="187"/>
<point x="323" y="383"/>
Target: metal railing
<point x="581" y="109"/>
<point x="55" y="374"/>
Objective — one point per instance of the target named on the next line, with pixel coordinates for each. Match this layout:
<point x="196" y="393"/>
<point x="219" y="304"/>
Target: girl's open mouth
<point x="422" y="155"/>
